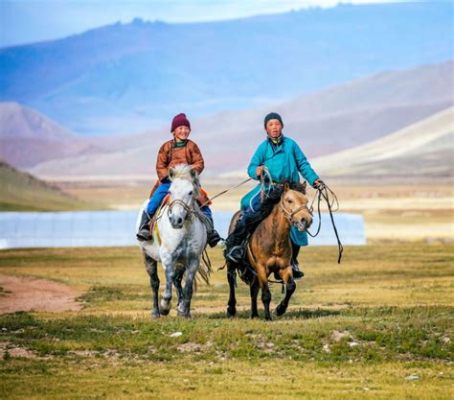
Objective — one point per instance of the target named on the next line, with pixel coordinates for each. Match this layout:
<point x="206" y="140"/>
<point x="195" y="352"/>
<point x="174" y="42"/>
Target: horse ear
<point x="286" y="186"/>
<point x="193" y="173"/>
<point x="304" y="187"/>
<point x="171" y="173"/>
<point x="195" y="177"/>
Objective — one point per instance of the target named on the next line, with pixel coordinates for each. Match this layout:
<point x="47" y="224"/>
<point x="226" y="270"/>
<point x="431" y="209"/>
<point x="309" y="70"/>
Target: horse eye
<point x="290" y="201"/>
<point x="190" y="193"/>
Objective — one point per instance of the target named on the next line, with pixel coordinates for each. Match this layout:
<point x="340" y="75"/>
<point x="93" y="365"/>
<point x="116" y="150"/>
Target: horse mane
<point x="183" y="171"/>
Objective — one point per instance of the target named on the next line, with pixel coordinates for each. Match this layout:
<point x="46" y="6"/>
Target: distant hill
<point x="28" y="137"/>
<point x="125" y="78"/>
<point x="424" y="150"/>
<point x="21" y="192"/>
<point x="325" y="122"/>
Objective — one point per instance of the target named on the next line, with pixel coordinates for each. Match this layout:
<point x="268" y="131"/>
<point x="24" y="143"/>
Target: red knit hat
<point x="180" y="120"/>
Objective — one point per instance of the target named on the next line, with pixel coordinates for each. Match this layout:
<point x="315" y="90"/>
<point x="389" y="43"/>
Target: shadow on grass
<point x="293" y="314"/>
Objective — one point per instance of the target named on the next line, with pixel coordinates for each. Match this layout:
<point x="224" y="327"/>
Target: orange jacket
<point x="171" y="156"/>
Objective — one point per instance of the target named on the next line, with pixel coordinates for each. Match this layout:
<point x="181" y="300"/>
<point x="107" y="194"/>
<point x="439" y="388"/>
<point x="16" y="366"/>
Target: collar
<point x="179" y="144"/>
<point x="277" y="141"/>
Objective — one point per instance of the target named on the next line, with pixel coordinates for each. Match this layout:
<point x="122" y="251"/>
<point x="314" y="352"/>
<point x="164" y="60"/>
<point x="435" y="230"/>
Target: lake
<point x="117" y="228"/>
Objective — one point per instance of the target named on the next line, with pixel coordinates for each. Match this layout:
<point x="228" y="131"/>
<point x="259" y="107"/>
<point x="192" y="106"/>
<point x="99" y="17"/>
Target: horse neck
<point x="278" y="224"/>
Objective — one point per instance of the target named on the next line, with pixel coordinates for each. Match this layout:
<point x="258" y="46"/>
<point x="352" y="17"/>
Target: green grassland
<point x="378" y="326"/>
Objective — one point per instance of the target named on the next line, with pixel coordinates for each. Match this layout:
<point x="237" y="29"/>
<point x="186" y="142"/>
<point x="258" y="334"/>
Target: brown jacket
<point x="170" y="156"/>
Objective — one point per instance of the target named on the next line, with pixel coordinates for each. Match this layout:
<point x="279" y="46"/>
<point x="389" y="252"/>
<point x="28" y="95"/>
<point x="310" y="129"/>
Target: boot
<point x="297" y="273"/>
<point x="144" y="228"/>
<point x="213" y="237"/>
<point x="234" y="249"/>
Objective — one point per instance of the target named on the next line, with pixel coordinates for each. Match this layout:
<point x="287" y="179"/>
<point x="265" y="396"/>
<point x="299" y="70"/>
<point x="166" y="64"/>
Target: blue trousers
<point x="161" y="191"/>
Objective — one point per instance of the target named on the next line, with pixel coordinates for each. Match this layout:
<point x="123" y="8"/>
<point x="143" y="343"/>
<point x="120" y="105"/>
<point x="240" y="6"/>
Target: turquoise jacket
<point x="285" y="162"/>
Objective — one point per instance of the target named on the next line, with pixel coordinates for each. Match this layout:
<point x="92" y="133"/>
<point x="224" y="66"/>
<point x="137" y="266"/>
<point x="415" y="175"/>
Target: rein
<point x="225" y="191"/>
<point x="331" y="200"/>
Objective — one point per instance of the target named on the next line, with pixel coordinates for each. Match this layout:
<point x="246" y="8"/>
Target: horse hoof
<point x="183" y="314"/>
<point x="164" y="311"/>
<point x="280" y="310"/>
<point x="155" y="314"/>
<point x="268" y="317"/>
<point x="254" y="316"/>
<point x="231" y="312"/>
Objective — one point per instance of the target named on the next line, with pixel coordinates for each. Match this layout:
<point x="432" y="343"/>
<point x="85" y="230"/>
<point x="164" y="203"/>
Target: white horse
<point x="179" y="243"/>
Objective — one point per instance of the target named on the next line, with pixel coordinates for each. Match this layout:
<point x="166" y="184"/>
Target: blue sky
<point x="26" y="21"/>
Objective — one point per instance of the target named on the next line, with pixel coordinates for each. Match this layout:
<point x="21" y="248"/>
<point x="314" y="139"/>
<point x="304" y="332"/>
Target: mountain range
<point x="326" y="122"/>
<point x="125" y="78"/>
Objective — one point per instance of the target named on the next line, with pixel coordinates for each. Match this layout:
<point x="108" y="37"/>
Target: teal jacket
<point x="285" y="162"/>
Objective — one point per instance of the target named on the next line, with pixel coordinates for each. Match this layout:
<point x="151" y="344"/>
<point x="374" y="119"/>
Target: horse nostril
<point x="180" y="221"/>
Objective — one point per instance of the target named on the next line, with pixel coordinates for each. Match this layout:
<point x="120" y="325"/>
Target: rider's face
<point x="274" y="128"/>
<point x="181" y="133"/>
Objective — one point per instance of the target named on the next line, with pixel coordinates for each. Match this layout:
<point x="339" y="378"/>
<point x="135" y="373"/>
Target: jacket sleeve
<point x="196" y="159"/>
<point x="303" y="165"/>
<point x="257" y="159"/>
<point x="162" y="162"/>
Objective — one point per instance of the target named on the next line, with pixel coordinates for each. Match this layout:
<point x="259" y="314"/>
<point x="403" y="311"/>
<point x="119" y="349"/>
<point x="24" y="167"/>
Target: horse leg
<point x="290" y="286"/>
<point x="167" y="296"/>
<point x="151" y="266"/>
<point x="254" y="290"/>
<point x="262" y="278"/>
<point x="184" y="308"/>
<point x="177" y="283"/>
<point x="231" y="278"/>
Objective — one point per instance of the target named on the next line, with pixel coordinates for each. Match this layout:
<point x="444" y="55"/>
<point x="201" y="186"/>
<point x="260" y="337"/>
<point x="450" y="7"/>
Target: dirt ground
<point x="30" y="294"/>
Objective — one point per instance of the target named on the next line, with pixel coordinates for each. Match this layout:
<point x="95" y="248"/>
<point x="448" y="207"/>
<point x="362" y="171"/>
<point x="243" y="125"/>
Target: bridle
<point x="290" y="214"/>
<point x="189" y="210"/>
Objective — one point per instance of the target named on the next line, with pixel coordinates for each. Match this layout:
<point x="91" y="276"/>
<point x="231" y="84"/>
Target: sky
<point x="28" y="21"/>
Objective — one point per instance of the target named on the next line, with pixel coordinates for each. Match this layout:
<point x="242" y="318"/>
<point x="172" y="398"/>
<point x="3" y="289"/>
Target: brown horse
<point x="269" y="251"/>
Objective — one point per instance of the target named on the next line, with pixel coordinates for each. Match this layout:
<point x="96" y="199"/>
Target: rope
<point x="325" y="192"/>
<point x="225" y="191"/>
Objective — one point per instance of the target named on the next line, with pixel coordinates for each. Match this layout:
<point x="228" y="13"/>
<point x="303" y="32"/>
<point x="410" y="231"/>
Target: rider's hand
<point x="259" y="170"/>
<point x="318" y="184"/>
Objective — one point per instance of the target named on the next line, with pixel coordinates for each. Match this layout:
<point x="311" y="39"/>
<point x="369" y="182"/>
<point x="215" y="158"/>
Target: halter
<point x="290" y="214"/>
<point x="189" y="210"/>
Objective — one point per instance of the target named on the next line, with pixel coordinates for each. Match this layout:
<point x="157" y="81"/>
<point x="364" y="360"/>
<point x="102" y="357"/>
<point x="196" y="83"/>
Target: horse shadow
<point x="291" y="314"/>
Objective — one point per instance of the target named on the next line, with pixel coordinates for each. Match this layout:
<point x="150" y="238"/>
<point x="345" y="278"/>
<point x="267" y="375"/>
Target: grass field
<point x="379" y="326"/>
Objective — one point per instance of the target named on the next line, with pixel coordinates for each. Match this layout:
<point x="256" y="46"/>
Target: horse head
<point x="184" y="191"/>
<point x="293" y="203"/>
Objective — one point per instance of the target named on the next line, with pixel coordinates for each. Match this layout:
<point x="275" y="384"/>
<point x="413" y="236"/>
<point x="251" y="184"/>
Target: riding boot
<point x="235" y="249"/>
<point x="297" y="273"/>
<point x="144" y="233"/>
<point x="213" y="237"/>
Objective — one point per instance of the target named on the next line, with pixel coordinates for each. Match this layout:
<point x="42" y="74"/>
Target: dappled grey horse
<point x="178" y="242"/>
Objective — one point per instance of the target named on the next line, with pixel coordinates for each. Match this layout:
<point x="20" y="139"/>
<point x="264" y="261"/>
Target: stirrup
<point x="235" y="254"/>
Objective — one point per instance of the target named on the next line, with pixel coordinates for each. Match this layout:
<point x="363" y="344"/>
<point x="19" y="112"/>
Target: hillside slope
<point x="422" y="150"/>
<point x="28" y="137"/>
<point x="23" y="192"/>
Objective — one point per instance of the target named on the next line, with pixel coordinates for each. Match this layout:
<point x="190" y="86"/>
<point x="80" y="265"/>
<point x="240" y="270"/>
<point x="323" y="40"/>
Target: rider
<point x="284" y="161"/>
<point x="179" y="150"/>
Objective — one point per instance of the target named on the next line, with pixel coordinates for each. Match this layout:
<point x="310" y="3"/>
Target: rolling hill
<point x="124" y="78"/>
<point x="421" y="151"/>
<point x="21" y="191"/>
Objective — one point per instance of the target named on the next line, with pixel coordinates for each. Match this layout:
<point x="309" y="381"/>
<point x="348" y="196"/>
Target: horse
<point x="269" y="251"/>
<point x="178" y="243"/>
